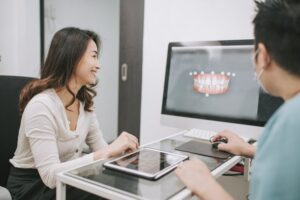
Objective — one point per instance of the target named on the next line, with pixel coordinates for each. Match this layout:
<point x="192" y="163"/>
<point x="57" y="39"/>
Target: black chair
<point x="10" y="117"/>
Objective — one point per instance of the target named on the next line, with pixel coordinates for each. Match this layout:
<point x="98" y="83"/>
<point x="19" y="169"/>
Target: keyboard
<point x="204" y="134"/>
<point x="200" y="134"/>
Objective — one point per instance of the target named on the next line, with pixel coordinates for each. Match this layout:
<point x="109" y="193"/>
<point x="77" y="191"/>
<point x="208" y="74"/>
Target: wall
<point x="20" y="37"/>
<point x="181" y="20"/>
<point x="165" y="21"/>
<point x="20" y="44"/>
<point x="102" y="17"/>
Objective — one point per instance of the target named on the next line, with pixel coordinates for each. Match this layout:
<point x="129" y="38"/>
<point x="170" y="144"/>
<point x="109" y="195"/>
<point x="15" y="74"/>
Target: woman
<point x="275" y="172"/>
<point x="58" y="119"/>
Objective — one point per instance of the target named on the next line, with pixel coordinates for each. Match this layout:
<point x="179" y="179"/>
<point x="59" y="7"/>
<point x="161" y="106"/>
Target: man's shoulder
<point x="288" y="111"/>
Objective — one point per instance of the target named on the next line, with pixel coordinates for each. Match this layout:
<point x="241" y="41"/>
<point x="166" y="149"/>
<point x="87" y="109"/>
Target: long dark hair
<point x="67" y="48"/>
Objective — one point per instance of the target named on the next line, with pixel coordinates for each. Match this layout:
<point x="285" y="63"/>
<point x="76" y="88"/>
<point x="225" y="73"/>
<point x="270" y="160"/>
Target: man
<point x="275" y="172"/>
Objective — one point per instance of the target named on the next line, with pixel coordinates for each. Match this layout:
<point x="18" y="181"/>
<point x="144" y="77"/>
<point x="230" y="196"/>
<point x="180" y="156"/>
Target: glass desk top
<point x="136" y="187"/>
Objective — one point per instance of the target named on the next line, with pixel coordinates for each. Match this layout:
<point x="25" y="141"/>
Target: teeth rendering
<point x="211" y="83"/>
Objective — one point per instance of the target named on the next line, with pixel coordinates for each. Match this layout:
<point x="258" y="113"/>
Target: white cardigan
<point x="46" y="142"/>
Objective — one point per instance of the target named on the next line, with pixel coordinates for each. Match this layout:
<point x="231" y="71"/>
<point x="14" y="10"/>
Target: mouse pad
<point x="204" y="149"/>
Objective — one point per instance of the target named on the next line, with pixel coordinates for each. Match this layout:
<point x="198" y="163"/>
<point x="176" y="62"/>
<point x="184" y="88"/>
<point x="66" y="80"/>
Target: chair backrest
<point x="10" y="117"/>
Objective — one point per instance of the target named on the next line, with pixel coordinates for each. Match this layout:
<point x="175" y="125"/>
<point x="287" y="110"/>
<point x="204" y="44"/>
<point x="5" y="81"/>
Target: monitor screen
<point x="215" y="80"/>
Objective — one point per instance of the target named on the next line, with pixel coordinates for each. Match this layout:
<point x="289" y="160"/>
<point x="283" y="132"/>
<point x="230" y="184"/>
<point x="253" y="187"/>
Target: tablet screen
<point x="146" y="161"/>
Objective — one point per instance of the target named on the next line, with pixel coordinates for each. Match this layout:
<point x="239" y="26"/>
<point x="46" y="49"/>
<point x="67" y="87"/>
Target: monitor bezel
<point x="165" y="111"/>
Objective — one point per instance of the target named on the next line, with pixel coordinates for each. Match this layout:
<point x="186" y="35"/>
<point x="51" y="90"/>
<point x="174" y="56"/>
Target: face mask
<point x="257" y="78"/>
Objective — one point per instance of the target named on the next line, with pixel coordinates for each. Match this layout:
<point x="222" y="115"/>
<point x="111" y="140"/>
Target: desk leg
<point x="247" y="169"/>
<point x="60" y="191"/>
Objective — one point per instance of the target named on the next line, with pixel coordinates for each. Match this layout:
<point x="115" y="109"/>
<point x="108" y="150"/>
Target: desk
<point x="111" y="184"/>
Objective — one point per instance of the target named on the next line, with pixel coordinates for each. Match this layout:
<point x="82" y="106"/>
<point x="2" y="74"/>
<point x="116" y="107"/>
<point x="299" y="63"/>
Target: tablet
<point x="147" y="163"/>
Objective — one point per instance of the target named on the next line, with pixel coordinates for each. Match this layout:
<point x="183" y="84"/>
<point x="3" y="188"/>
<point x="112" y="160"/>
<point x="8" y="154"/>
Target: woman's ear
<point x="263" y="58"/>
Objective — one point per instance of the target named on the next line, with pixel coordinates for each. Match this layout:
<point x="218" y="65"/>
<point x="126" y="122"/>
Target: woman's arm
<point x="95" y="139"/>
<point x="40" y="129"/>
<point x="125" y="142"/>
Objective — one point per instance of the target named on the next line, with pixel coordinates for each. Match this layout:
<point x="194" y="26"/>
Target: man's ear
<point x="264" y="58"/>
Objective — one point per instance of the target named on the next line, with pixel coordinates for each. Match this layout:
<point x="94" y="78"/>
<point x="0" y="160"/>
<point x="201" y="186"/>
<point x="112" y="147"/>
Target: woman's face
<point x="88" y="65"/>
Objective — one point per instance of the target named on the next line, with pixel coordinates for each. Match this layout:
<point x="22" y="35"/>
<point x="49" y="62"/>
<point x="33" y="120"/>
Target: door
<point x="131" y="59"/>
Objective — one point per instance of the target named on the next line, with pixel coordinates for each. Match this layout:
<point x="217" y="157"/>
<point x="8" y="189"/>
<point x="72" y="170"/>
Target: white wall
<point x="20" y="43"/>
<point x="183" y="20"/>
<point x="165" y="21"/>
<point x="20" y="37"/>
<point x="101" y="16"/>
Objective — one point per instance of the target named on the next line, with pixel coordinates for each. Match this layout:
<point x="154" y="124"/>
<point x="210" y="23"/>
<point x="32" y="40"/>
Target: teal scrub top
<point x="276" y="166"/>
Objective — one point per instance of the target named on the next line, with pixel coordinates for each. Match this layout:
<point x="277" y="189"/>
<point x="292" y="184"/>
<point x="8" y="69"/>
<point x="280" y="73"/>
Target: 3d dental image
<point x="211" y="83"/>
<point x="211" y="79"/>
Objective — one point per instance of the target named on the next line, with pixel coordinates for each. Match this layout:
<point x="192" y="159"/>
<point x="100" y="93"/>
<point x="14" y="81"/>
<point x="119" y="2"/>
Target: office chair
<point x="10" y="117"/>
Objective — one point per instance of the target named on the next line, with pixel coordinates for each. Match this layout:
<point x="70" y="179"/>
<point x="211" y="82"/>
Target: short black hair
<point x="277" y="26"/>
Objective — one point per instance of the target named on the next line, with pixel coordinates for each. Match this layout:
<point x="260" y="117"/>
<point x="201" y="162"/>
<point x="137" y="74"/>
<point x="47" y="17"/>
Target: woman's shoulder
<point x="46" y="95"/>
<point x="47" y="98"/>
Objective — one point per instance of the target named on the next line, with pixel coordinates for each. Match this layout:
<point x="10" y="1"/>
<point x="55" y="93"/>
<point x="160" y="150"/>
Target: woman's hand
<point x="235" y="144"/>
<point x="124" y="143"/>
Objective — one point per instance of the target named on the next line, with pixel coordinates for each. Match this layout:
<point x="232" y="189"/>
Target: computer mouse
<point x="216" y="143"/>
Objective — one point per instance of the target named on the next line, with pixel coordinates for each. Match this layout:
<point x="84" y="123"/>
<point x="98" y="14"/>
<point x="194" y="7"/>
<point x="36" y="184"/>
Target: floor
<point x="237" y="186"/>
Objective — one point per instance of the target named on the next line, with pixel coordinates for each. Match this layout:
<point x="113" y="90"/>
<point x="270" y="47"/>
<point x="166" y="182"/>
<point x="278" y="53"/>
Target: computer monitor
<point x="211" y="85"/>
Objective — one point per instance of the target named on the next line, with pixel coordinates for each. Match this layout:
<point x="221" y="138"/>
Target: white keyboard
<point x="200" y="134"/>
<point x="204" y="134"/>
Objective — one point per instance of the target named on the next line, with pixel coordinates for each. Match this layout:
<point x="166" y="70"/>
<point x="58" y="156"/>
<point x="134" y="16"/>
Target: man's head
<point x="277" y="29"/>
